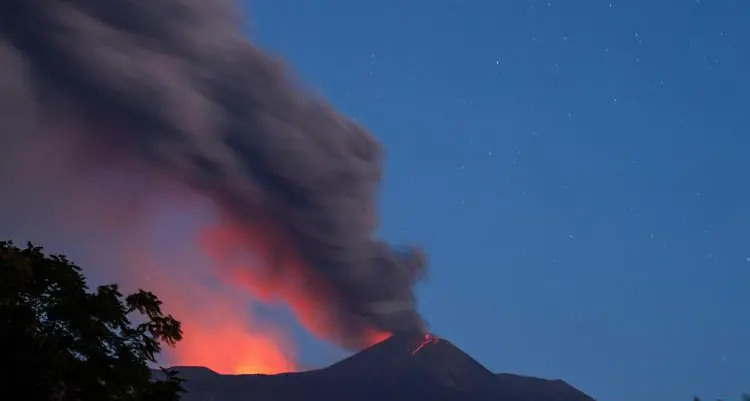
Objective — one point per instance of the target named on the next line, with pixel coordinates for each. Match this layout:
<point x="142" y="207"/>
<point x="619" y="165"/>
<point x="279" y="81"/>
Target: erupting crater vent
<point x="426" y="340"/>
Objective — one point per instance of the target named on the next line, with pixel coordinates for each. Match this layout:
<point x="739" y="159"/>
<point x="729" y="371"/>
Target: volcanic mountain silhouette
<point x="404" y="367"/>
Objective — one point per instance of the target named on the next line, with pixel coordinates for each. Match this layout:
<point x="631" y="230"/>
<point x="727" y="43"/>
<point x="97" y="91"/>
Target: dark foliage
<point x="59" y="341"/>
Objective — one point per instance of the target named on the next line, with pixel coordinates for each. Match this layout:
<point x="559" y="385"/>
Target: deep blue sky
<point x="576" y="170"/>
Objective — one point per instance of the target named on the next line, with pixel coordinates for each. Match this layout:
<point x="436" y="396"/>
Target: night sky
<point x="575" y="169"/>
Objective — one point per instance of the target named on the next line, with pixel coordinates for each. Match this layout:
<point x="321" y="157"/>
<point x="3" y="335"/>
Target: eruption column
<point x="173" y="96"/>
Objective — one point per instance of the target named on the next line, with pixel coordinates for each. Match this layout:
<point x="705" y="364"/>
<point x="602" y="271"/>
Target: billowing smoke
<point x="171" y="91"/>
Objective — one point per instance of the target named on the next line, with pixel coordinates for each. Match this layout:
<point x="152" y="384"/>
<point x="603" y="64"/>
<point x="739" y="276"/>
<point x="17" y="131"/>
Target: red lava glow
<point x="231" y="349"/>
<point x="426" y="340"/>
<point x="222" y="337"/>
<point x="265" y="263"/>
<point x="218" y="329"/>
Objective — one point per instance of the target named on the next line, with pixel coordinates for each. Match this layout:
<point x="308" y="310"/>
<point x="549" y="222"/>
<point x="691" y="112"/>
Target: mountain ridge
<point x="403" y="367"/>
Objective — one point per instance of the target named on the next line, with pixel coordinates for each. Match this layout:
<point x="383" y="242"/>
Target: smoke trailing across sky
<point x="173" y="88"/>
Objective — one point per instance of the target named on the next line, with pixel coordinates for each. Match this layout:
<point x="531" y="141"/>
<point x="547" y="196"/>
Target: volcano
<point x="405" y="367"/>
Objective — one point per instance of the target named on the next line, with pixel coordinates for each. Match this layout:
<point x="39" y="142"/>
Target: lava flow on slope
<point x="414" y="358"/>
<point x="427" y="339"/>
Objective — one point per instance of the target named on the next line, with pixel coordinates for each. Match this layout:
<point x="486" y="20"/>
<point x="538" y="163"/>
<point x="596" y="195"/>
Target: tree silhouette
<point x="61" y="342"/>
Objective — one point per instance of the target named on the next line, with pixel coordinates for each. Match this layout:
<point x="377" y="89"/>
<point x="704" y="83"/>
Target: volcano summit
<point x="403" y="367"/>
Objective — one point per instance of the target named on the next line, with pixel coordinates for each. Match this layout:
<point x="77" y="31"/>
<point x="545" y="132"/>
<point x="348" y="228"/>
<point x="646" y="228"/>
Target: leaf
<point x="80" y="344"/>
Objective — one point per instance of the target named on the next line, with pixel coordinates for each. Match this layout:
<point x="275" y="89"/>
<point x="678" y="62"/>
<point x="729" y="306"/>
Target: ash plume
<point x="173" y="89"/>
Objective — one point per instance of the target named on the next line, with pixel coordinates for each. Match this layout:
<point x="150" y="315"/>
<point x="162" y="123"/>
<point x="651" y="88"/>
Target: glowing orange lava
<point x="426" y="340"/>
<point x="231" y="349"/>
<point x="277" y="274"/>
<point x="219" y="331"/>
<point x="243" y="267"/>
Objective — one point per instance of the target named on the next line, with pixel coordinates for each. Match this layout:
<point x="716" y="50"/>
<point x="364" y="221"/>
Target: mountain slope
<point x="404" y="367"/>
<point x="414" y="357"/>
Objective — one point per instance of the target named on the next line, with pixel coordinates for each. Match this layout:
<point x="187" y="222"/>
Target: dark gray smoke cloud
<point x="175" y="86"/>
